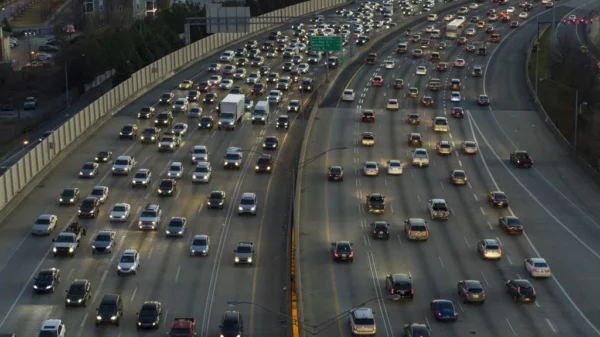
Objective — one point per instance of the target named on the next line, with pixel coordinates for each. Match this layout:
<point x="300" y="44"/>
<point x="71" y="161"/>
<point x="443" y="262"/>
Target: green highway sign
<point x="326" y="43"/>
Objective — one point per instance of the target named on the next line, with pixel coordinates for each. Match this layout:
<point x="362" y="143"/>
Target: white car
<point x="202" y="173"/>
<point x="180" y="129"/>
<point x="100" y="192"/>
<point x="440" y="124"/>
<point x="348" y="95"/>
<point x="432" y="17"/>
<point x="44" y="224"/>
<point x="510" y="10"/>
<point x="215" y="80"/>
<point x="393" y="104"/>
<point x="471" y="31"/>
<point x="394" y="167"/>
<point x="200" y="245"/>
<point x="253" y="78"/>
<point x="226" y="84"/>
<point x="420" y="157"/>
<point x="463" y="10"/>
<point x="371" y="168"/>
<point x="175" y="170"/>
<point x="448" y="17"/>
<point x="303" y="68"/>
<point x="129" y="263"/>
<point x="227" y="56"/>
<point x="389" y="64"/>
<point x="199" y="153"/>
<point x="489" y="249"/>
<point x="537" y="267"/>
<point x="421" y="70"/>
<point x="53" y="327"/>
<point x="455" y="96"/>
<point x="123" y="165"/>
<point x="120" y="212"/>
<point x="523" y="15"/>
<point x="473" y="6"/>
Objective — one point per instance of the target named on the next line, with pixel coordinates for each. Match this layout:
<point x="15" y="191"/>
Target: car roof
<point x="473" y="284"/>
<point x="151" y="206"/>
<point x="150" y="304"/>
<point x="522" y="282"/>
<point x="99" y="188"/>
<point x="88" y="199"/>
<point x="491" y="242"/>
<point x="51" y="324"/>
<point x="176" y="163"/>
<point x="248" y="195"/>
<point x="129" y="252"/>
<point x="415" y="134"/>
<point x="106" y="231"/>
<point x="363" y="313"/>
<point x="203" y="164"/>
<point x="401" y="277"/>
<point x="444" y="142"/>
<point x="123" y="157"/>
<point x="45" y="216"/>
<point x="538" y="259"/>
<point x="200" y="236"/>
<point x="109" y="298"/>
<point x="143" y="170"/>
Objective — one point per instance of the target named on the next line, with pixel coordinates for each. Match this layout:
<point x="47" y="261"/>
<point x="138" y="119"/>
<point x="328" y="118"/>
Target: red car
<point x="458" y="112"/>
<point x="377" y="81"/>
<point x="461" y="40"/>
<point x="427" y="101"/>
<point x="204" y="87"/>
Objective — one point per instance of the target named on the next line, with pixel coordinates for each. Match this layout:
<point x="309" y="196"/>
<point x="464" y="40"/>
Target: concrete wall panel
<point x="27" y="167"/>
<point x="21" y="172"/>
<point x="12" y="181"/>
<point x="3" y="197"/>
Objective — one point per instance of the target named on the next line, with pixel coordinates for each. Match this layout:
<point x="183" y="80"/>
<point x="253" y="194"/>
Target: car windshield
<point x="492" y="246"/>
<point x="420" y="153"/>
<point x="376" y="198"/>
<point x="513" y="222"/>
<point x="44" y="276"/>
<point x="88" y="166"/>
<point x="148" y="214"/>
<point x="65" y="238"/>
<point x="140" y="175"/>
<point x="175" y="168"/>
<point x="102" y="154"/>
<point x="127" y="258"/>
<point x="176" y="223"/>
<point x="294" y="103"/>
<point x="440" y="207"/>
<point x="281" y="119"/>
<point x="97" y="191"/>
<point x="247" y="202"/>
<point x="166" y="96"/>
<point x="343" y="248"/>
<point x="443" y="306"/>
<point x="42" y="222"/>
<point x="499" y="196"/>
<point x="166" y="184"/>
<point x="540" y="265"/>
<point x="119" y="209"/>
<point x="76" y="290"/>
<point x="88" y="203"/>
<point x="121" y="162"/>
<point x="204" y="120"/>
<point x="336" y="170"/>
<point x="103" y="237"/>
<point x="232" y="156"/>
<point x="215" y="196"/>
<point x="371" y="166"/>
<point x="199" y="242"/>
<point x="444" y="145"/>
<point x="244" y="249"/>
<point x="201" y="169"/>
<point x="458" y="174"/>
<point x="148" y="312"/>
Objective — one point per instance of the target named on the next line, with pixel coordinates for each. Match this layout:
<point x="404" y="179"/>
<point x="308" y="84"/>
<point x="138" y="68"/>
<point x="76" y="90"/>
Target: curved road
<point x="554" y="200"/>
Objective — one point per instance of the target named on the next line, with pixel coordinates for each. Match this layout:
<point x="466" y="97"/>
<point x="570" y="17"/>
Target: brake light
<point x="439" y="314"/>
<point x="532" y="161"/>
<point x="364" y="116"/>
<point x="582" y="20"/>
<point x="495" y="201"/>
<point x="392" y="291"/>
<point x="352" y="254"/>
<point x="374" y="232"/>
<point x="520" y="228"/>
<point x="409" y="232"/>
<point x="412" y="291"/>
<point x="426" y="232"/>
<point x="387" y="232"/>
<point x="483" y="294"/>
<point x="485" y="251"/>
<point x="354" y="327"/>
<point x="499" y="251"/>
<point x="331" y="175"/>
<point x="467" y="294"/>
<point x="535" y="270"/>
<point x="336" y="254"/>
<point x="518" y="290"/>
<point x="455" y="314"/>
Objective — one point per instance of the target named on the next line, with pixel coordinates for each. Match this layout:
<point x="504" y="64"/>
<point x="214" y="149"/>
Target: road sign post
<point x="326" y="44"/>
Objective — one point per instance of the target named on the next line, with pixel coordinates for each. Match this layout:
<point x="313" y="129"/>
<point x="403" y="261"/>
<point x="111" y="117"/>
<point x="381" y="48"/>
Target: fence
<point x="81" y="125"/>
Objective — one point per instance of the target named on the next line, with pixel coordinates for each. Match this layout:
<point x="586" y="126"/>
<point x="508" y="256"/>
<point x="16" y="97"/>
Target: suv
<point x="232" y="324"/>
<point x="264" y="164"/>
<point x="104" y="242"/>
<point x="521" y="159"/>
<point x="129" y="263"/>
<point x="123" y="165"/>
<point x="233" y="158"/>
<point x="164" y="119"/>
<point x="150" y="217"/>
<point x="416" y="229"/>
<point x="53" y="327"/>
<point x="90" y="207"/>
<point x="142" y="177"/>
<point x="79" y="293"/>
<point x="371" y="58"/>
<point x="244" y="253"/>
<point x="381" y="230"/>
<point x="401" y="285"/>
<point x="307" y="84"/>
<point x="248" y="204"/>
<point x="362" y="321"/>
<point x="110" y="310"/>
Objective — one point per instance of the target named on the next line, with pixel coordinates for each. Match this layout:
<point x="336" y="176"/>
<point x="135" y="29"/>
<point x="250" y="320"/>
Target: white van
<point x="432" y="17"/>
<point x="260" y="114"/>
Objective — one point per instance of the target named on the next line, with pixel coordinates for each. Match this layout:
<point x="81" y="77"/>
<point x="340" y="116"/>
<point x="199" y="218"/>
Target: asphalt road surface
<point x="554" y="200"/>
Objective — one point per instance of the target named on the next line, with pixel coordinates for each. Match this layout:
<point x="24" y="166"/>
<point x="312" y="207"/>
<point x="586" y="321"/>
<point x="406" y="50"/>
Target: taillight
<point x="499" y="251"/>
<point x="374" y="232"/>
<point x="467" y="294"/>
<point x="532" y="161"/>
<point x="352" y="254"/>
<point x="409" y="232"/>
<point x="392" y="291"/>
<point x="495" y="201"/>
<point x="331" y="175"/>
<point x="483" y="294"/>
<point x="439" y="314"/>
<point x="485" y="251"/>
<point x="412" y="291"/>
<point x="520" y="228"/>
<point x="455" y="314"/>
<point x="535" y="270"/>
<point x="387" y="232"/>
<point x="364" y="116"/>
<point x="518" y="290"/>
<point x="354" y="327"/>
<point x="336" y="254"/>
<point x="426" y="232"/>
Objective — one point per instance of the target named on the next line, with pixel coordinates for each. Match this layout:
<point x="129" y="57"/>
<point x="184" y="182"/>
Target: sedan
<point x="510" y="225"/>
<point x="44" y="224"/>
<point x="471" y="291"/>
<point x="523" y="15"/>
<point x="498" y="199"/>
<point x="215" y="80"/>
<point x="469" y="147"/>
<point x="537" y="267"/>
<point x="240" y="74"/>
<point x="483" y="100"/>
<point x="471" y="31"/>
<point x="458" y="112"/>
<point x="389" y="64"/>
<point x="180" y="129"/>
<point x="444" y="310"/>
<point x="120" y="212"/>
<point x="103" y="157"/>
<point x="489" y="249"/>
<point x="459" y="63"/>
<point x="370" y="168"/>
<point x="455" y="96"/>
<point x="89" y="170"/>
<point x="421" y="70"/>
<point x="393" y="104"/>
<point x="100" y="193"/>
<point x="226" y="84"/>
<point x="303" y="68"/>
<point x="394" y="167"/>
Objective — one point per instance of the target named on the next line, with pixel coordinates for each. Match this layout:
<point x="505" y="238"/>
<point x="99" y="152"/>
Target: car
<point x="448" y="17"/>
<point x="215" y="80"/>
<point x="457" y="112"/>
<point x="241" y="62"/>
<point x="227" y="56"/>
<point x="342" y="251"/>
<point x="258" y="89"/>
<point x="421" y="70"/>
<point x="248" y="105"/>
<point x="498" y="199"/>
<point x="193" y="96"/>
<point x="46" y="280"/>
<point x="537" y="267"/>
<point x="368" y="116"/>
<point x="471" y="291"/>
<point x="129" y="263"/>
<point x="143" y="177"/>
<point x="469" y="49"/>
<point x="89" y="208"/>
<point x="150" y="135"/>
<point x="270" y="143"/>
<point x="166" y="98"/>
<point x="150" y="218"/>
<point x="413" y="119"/>
<point x="214" y="67"/>
<point x="463" y="40"/>
<point x="455" y="96"/>
<point x="200" y="245"/>
<point x="389" y="64"/>
<point x="376" y="203"/>
<point x="438" y="209"/>
<point x="216" y="199"/>
<point x="443" y="310"/>
<point x="283" y="122"/>
<point x="469" y="147"/>
<point x="427" y="101"/>
<point x="303" y="68"/>
<point x="490" y="29"/>
<point x="510" y="225"/>
<point x="460" y="63"/>
<point x="394" y="167"/>
<point x="175" y="170"/>
<point x="335" y="173"/>
<point x="240" y="73"/>
<point x="120" y="212"/>
<point x="294" y="106"/>
<point x="494" y="38"/>
<point x="348" y="95"/>
<point x="176" y="226"/>
<point x="523" y="15"/>
<point x="69" y="196"/>
<point x="370" y="168"/>
<point x="210" y="98"/>
<point x="440" y="124"/>
<point x="415" y="139"/>
<point x="481" y="24"/>
<point x="489" y="249"/>
<point x="274" y="97"/>
<point x="417" y="53"/>
<point x="187" y="84"/>
<point x="444" y="147"/>
<point x="100" y="192"/>
<point x="44" y="224"/>
<point x="146" y="112"/>
<point x="104" y="242"/>
<point x="417" y="329"/>
<point x="377" y="81"/>
<point x="548" y="6"/>
<point x="199" y="153"/>
<point x="226" y="84"/>
<point x="362" y="321"/>
<point x="455" y="84"/>
<point x="110" y="310"/>
<point x="521" y="290"/>
<point x="398" y="83"/>
<point x="458" y="177"/>
<point x="79" y="293"/>
<point x="492" y="17"/>
<point x="413" y="92"/>
<point x="393" y="104"/>
<point x="150" y="315"/>
<point x="169" y="142"/>
<point x="477" y="72"/>
<point x="52" y="327"/>
<point x="205" y="86"/>
<point x="521" y="159"/>
<point x="103" y="157"/>
<point x="420" y="158"/>
<point x="164" y="118"/>
<point x="167" y="187"/>
<point x="483" y="100"/>
<point x="244" y="253"/>
<point x="248" y="204"/>
<point x="89" y="170"/>
<point x="514" y="24"/>
<point x="381" y="230"/>
<point x="231" y="324"/>
<point x="442" y="66"/>
<point x="180" y="129"/>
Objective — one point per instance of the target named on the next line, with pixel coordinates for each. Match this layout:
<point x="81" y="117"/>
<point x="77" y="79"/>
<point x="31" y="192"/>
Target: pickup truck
<point x="66" y="243"/>
<point x="183" y="327"/>
<point x="376" y="203"/>
<point x="438" y="209"/>
<point x="169" y="142"/>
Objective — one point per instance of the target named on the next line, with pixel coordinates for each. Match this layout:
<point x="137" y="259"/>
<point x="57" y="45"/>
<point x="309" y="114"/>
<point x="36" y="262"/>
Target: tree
<point x="6" y="25"/>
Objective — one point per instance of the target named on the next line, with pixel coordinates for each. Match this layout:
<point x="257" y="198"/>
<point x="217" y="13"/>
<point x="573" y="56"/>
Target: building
<point x="119" y="10"/>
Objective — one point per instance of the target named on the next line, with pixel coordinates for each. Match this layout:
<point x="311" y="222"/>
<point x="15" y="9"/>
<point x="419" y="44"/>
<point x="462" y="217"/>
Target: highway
<point x="554" y="200"/>
<point x="187" y="286"/>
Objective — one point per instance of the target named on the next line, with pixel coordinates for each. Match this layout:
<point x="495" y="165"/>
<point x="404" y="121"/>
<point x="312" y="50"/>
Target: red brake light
<point x="483" y="294"/>
<point x="564" y="22"/>
<point x="591" y="20"/>
<point x="440" y="314"/>
<point x="336" y="254"/>
<point x="455" y="314"/>
<point x="364" y="116"/>
<point x="412" y="291"/>
<point x="520" y="228"/>
<point x="467" y="294"/>
<point x="409" y="232"/>
<point x="374" y="232"/>
<point x="352" y="254"/>
<point x="519" y="290"/>
<point x="392" y="291"/>
<point x="535" y="270"/>
<point x="485" y="251"/>
<point x="582" y="20"/>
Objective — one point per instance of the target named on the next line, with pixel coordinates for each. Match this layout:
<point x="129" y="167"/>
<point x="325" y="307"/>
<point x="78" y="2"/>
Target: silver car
<point x="253" y="78"/>
<point x="142" y="177"/>
<point x="44" y="224"/>
<point x="181" y="105"/>
<point x="176" y="226"/>
<point x="104" y="242"/>
<point x="362" y="321"/>
<point x="248" y="204"/>
<point x="244" y="253"/>
<point x="175" y="170"/>
<point x="88" y="170"/>
<point x="200" y="245"/>
<point x="420" y="158"/>
<point x="129" y="263"/>
<point x="202" y="173"/>
<point x="199" y="153"/>
<point x="240" y="74"/>
<point x="120" y="212"/>
<point x="226" y="84"/>
<point x="371" y="168"/>
<point x="489" y="249"/>
<point x="100" y="192"/>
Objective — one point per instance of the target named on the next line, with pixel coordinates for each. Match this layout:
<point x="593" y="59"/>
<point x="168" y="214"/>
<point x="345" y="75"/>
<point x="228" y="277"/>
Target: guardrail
<point x="15" y="184"/>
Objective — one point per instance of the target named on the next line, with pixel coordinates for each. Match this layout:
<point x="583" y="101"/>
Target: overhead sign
<point x="326" y="43"/>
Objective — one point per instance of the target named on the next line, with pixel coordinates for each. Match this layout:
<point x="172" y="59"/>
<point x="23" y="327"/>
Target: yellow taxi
<point x="187" y="84"/>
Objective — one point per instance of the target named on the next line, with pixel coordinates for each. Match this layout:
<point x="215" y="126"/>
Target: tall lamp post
<point x="29" y="34"/>
<point x="577" y="110"/>
<point x="312" y="329"/>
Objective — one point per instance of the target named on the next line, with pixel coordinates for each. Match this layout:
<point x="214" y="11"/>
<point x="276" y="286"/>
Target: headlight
<point x="241" y="208"/>
<point x="139" y="323"/>
<point x="253" y="208"/>
<point x="268" y="168"/>
<point x="54" y="249"/>
<point x="156" y="121"/>
<point x="35" y="287"/>
<point x="119" y="267"/>
<point x="153" y="323"/>
<point x="237" y="164"/>
<point x="153" y="223"/>
<point x="71" y="200"/>
<point x="249" y="260"/>
<point x="99" y="318"/>
<point x="204" y="251"/>
<point x="194" y="176"/>
<point x="159" y="191"/>
<point x="220" y="123"/>
<point x="93" y="247"/>
<point x="264" y="145"/>
<point x="180" y="232"/>
<point x="113" y="318"/>
<point x="48" y="287"/>
<point x="70" y="250"/>
<point x="257" y="167"/>
<point x="167" y="232"/>
<point x="80" y="173"/>
<point x="60" y="199"/>
<point x="237" y="259"/>
<point x="79" y="300"/>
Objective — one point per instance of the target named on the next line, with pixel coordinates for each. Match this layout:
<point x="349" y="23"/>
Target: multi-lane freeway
<point x="554" y="200"/>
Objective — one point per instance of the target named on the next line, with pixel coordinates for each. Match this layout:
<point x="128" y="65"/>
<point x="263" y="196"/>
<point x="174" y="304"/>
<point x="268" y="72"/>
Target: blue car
<point x="444" y="310"/>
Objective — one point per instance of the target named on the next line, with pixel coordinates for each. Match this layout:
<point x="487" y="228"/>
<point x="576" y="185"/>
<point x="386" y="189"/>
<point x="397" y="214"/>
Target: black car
<point x="166" y="98"/>
<point x="368" y="116"/>
<point x="167" y="187"/>
<point x="333" y="62"/>
<point x="193" y="95"/>
<point x="400" y="285"/>
<point x="376" y="203"/>
<point x="216" y="199"/>
<point x="103" y="157"/>
<point x="163" y="119"/>
<point x="232" y="324"/>
<point x="69" y="196"/>
<point x="110" y="310"/>
<point x="241" y="62"/>
<point x="287" y="67"/>
<point x="210" y="98"/>
<point x="381" y="230"/>
<point x="78" y="294"/>
<point x="342" y="251"/>
<point x="271" y="143"/>
<point x="415" y="139"/>
<point x="264" y="70"/>
<point x="510" y="225"/>
<point x="128" y="131"/>
<point x="308" y="84"/>
<point x="416" y="330"/>
<point x="150" y="135"/>
<point x="335" y="173"/>
<point x="498" y="199"/>
<point x="150" y="315"/>
<point x="283" y="122"/>
<point x="146" y="112"/>
<point x="521" y="159"/>
<point x="264" y="164"/>
<point x="521" y="290"/>
<point x="46" y="280"/>
<point x="206" y="122"/>
<point x="89" y="208"/>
